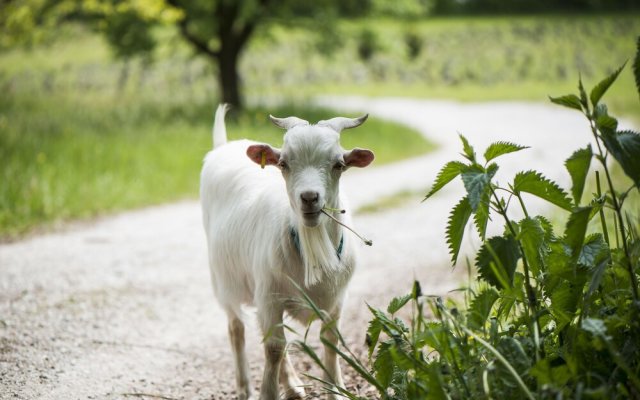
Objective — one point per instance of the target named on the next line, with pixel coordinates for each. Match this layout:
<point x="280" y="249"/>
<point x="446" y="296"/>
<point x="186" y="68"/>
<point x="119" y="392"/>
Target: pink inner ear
<point x="358" y="158"/>
<point x="254" y="152"/>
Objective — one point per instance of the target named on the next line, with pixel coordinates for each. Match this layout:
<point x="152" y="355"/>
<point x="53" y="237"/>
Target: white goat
<point x="266" y="233"/>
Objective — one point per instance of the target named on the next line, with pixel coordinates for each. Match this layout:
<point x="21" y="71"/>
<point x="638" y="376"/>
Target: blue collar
<point x="296" y="242"/>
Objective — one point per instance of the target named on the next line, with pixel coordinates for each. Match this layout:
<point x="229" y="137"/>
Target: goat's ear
<point x="263" y="154"/>
<point x="358" y="158"/>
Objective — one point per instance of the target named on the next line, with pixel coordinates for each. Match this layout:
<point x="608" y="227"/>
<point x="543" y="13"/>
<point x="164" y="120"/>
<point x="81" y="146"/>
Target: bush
<point x="555" y="314"/>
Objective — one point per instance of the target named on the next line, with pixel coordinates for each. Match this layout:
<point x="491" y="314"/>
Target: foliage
<point x="554" y="315"/>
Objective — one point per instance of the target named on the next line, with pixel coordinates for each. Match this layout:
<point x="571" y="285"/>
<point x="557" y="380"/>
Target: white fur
<point x="248" y="215"/>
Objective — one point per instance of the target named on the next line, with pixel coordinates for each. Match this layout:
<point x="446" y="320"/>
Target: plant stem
<point x="532" y="300"/>
<point x="603" y="222"/>
<point x="617" y="209"/>
<point x="524" y="209"/>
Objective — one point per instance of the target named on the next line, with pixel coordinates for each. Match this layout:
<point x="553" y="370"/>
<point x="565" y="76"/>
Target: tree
<point x="231" y="23"/>
<point x="216" y="29"/>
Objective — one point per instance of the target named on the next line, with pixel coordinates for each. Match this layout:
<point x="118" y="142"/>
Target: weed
<point x="555" y="314"/>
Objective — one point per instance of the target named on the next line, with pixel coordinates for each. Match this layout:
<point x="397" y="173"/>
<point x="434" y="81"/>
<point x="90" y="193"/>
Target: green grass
<point x="69" y="157"/>
<point x="467" y="59"/>
<point x="82" y="134"/>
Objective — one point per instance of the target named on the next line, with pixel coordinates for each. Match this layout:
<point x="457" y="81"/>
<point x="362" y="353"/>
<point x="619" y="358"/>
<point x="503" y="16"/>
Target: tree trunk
<point x="228" y="77"/>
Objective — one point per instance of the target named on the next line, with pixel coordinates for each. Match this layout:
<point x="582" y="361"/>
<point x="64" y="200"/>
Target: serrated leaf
<point x="469" y="153"/>
<point x="512" y="350"/>
<point x="531" y="236"/>
<point x="533" y="182"/>
<point x="570" y="100"/>
<point x="606" y="122"/>
<point x="481" y="216"/>
<point x="624" y="146"/>
<point x="384" y="365"/>
<point x="601" y="88"/>
<point x="636" y="66"/>
<point x="455" y="227"/>
<point x="476" y="182"/>
<point x="497" y="260"/>
<point x="480" y="308"/>
<point x="594" y="250"/>
<point x="578" y="167"/>
<point x="397" y="303"/>
<point x="576" y="229"/>
<point x="583" y="93"/>
<point x="373" y="334"/>
<point x="500" y="148"/>
<point x="446" y="175"/>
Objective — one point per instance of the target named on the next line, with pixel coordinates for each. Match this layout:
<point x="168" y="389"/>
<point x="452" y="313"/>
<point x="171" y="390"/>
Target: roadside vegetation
<point x="82" y="135"/>
<point x="554" y="313"/>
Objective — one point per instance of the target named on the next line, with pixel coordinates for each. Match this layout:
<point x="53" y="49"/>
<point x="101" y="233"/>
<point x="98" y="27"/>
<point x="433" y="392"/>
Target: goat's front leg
<point x="270" y="317"/>
<point x="329" y="332"/>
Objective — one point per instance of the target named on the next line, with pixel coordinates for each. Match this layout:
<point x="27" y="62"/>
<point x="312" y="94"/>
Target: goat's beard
<point x="318" y="253"/>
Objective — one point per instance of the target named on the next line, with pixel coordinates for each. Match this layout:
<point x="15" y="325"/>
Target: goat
<point x="268" y="237"/>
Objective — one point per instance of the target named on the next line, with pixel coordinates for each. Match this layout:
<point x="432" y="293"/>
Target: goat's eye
<point x="339" y="166"/>
<point x="283" y="165"/>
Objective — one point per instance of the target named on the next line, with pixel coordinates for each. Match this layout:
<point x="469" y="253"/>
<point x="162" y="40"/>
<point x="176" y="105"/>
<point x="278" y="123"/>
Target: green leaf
<point x="624" y="146"/>
<point x="476" y="182"/>
<point x="469" y="153"/>
<point x="564" y="300"/>
<point x="576" y="229"/>
<point x="373" y="334"/>
<point x="593" y="251"/>
<point x="500" y="148"/>
<point x="601" y="88"/>
<point x="606" y="122"/>
<point x="570" y="100"/>
<point x="636" y="66"/>
<point x="531" y="237"/>
<point x="583" y="94"/>
<point x="481" y="216"/>
<point x="480" y="308"/>
<point x="497" y="260"/>
<point x="383" y="364"/>
<point x="397" y="303"/>
<point x="533" y="182"/>
<point x="578" y="166"/>
<point x="446" y="175"/>
<point x="455" y="227"/>
<point x="511" y="349"/>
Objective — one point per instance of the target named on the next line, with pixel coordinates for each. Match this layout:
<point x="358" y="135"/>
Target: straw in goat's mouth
<point x="324" y="211"/>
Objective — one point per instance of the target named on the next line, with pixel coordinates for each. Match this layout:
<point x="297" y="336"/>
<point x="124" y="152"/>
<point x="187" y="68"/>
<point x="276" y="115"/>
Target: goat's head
<point x="311" y="161"/>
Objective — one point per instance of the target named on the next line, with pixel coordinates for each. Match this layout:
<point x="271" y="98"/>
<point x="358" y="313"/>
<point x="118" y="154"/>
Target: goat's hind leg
<point x="293" y="387"/>
<point x="236" y="336"/>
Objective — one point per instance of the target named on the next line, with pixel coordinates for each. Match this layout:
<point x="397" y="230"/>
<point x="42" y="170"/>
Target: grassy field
<point x="468" y="59"/>
<point x="78" y="139"/>
<point x="82" y="134"/>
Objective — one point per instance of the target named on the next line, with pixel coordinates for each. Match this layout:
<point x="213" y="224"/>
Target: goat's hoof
<point x="294" y="393"/>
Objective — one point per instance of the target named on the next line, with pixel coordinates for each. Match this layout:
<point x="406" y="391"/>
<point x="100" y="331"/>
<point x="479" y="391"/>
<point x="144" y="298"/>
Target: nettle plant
<point x="555" y="313"/>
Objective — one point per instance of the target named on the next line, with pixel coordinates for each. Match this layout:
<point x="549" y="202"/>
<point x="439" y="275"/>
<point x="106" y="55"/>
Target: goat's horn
<point x="340" y="123"/>
<point x="287" y="123"/>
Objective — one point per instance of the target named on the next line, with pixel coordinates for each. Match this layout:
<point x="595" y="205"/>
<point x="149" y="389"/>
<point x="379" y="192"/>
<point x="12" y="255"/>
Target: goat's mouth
<point x="311" y="217"/>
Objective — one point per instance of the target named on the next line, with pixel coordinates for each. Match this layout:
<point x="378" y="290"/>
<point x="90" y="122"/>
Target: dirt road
<point x="122" y="306"/>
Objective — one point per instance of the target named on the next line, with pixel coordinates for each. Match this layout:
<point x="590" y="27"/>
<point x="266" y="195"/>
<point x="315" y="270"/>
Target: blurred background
<point x="107" y="105"/>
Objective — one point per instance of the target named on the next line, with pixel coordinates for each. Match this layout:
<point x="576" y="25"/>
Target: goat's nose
<point x="309" y="198"/>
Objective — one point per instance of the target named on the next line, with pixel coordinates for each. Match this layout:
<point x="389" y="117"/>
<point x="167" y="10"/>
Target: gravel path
<point x="122" y="306"/>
